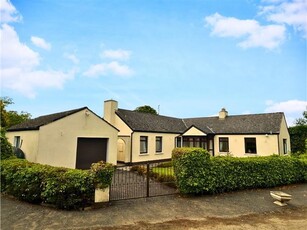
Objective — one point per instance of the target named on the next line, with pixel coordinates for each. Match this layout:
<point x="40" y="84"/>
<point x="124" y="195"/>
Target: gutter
<point x="131" y="149"/>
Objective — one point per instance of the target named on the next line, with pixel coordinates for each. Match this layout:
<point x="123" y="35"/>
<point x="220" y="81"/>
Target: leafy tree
<point x="302" y="121"/>
<point x="146" y="109"/>
<point x="298" y="135"/>
<point x="10" y="118"/>
<point x="6" y="147"/>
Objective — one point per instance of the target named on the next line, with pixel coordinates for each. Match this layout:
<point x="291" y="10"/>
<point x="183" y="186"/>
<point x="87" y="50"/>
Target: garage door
<point x="90" y="150"/>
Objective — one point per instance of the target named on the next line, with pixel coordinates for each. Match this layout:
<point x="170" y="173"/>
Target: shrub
<point x="298" y="137"/>
<point x="303" y="160"/>
<point x="6" y="147"/>
<point x="141" y="170"/>
<point x="9" y="168"/>
<point x="197" y="173"/>
<point x="69" y="189"/>
<point x="103" y="173"/>
<point x="62" y="187"/>
<point x="190" y="167"/>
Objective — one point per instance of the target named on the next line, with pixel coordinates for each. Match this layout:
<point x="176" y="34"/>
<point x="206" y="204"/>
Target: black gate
<point x="143" y="180"/>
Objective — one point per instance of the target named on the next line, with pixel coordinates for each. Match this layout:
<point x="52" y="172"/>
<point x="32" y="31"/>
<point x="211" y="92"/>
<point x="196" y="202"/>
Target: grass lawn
<point x="164" y="171"/>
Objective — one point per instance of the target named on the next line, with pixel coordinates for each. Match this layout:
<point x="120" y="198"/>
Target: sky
<point x="185" y="58"/>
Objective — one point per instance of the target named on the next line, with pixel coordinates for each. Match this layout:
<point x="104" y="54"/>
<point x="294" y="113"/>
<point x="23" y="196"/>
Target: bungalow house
<point x="72" y="139"/>
<point x="148" y="137"/>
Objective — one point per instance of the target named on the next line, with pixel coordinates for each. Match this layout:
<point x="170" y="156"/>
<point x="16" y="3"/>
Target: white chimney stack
<point x="110" y="106"/>
<point x="223" y="114"/>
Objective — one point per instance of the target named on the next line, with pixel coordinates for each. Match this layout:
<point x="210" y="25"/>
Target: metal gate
<point x="143" y="180"/>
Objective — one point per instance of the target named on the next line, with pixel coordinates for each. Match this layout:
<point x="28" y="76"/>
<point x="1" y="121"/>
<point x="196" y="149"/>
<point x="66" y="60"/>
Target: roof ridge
<point x="35" y="123"/>
<point x="150" y="114"/>
<point x="237" y="115"/>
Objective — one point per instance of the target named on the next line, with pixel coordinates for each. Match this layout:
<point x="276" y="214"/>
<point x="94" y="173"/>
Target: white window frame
<point x="143" y="144"/>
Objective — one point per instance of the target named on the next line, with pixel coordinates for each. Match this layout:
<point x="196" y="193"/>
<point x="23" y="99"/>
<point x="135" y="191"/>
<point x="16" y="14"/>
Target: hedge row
<point x="65" y="188"/>
<point x="197" y="172"/>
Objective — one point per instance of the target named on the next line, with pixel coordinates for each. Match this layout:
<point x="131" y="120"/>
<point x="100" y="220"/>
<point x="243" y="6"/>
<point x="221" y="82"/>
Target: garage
<point x="90" y="150"/>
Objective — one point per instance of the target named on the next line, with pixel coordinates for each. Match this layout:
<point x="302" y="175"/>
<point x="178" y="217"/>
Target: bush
<point x="103" y="173"/>
<point x="190" y="168"/>
<point x="141" y="170"/>
<point x="62" y="187"/>
<point x="303" y="159"/>
<point x="298" y="138"/>
<point x="69" y="189"/>
<point x="195" y="172"/>
<point x="6" y="147"/>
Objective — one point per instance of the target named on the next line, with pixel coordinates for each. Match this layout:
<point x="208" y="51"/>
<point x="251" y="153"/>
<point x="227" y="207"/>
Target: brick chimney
<point x="223" y="114"/>
<point x="110" y="106"/>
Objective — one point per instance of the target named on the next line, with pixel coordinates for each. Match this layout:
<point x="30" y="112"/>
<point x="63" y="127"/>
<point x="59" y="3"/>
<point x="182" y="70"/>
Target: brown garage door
<point x="90" y="150"/>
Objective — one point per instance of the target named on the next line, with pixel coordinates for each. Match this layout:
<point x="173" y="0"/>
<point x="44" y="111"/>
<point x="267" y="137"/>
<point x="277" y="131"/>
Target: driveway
<point x="248" y="209"/>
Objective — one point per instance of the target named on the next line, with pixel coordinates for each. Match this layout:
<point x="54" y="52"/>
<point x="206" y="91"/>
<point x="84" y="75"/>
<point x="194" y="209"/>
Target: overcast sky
<point x="189" y="58"/>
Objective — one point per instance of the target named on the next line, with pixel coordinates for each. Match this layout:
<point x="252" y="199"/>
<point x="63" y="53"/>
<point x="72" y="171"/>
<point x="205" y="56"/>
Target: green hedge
<point x="62" y="187"/>
<point x="196" y="172"/>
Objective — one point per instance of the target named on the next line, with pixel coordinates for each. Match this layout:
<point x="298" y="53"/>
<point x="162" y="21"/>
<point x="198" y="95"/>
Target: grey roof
<point x="239" y="124"/>
<point x="138" y="121"/>
<point x="34" y="124"/>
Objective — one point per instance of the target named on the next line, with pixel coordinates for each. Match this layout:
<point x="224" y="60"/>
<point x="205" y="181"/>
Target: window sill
<point x="250" y="154"/>
<point x="159" y="153"/>
<point x="144" y="154"/>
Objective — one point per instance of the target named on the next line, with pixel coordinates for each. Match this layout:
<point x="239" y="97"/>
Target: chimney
<point x="223" y="114"/>
<point x="110" y="106"/>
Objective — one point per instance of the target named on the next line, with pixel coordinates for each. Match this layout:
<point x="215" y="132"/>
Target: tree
<point x="302" y="121"/>
<point x="10" y="118"/>
<point x="6" y="147"/>
<point x="146" y="109"/>
<point x="298" y="135"/>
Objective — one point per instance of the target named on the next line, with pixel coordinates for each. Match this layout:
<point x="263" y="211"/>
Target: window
<point x="195" y="142"/>
<point x="17" y="142"/>
<point x="178" y="142"/>
<point x="158" y="144"/>
<point x="143" y="144"/>
<point x="284" y="141"/>
<point x="250" y="145"/>
<point x="224" y="144"/>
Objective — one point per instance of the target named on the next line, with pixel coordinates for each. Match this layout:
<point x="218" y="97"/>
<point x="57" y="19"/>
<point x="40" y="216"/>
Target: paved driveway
<point x="21" y="215"/>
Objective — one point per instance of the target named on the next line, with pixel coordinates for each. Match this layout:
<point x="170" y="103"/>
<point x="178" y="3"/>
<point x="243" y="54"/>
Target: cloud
<point x="40" y="42"/>
<point x="113" y="68"/>
<point x="116" y="54"/>
<point x="8" y="12"/>
<point x="20" y="67"/>
<point x="293" y="109"/>
<point x="250" y="32"/>
<point x="27" y="82"/>
<point x="15" y="53"/>
<point x="293" y="13"/>
<point x="72" y="57"/>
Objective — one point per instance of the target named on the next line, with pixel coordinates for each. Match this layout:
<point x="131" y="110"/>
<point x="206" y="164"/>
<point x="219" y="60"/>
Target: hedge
<point x="196" y="172"/>
<point x="65" y="188"/>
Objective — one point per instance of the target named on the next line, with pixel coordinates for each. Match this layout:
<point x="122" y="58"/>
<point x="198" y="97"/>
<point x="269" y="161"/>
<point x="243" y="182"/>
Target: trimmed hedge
<point x="65" y="188"/>
<point x="196" y="172"/>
